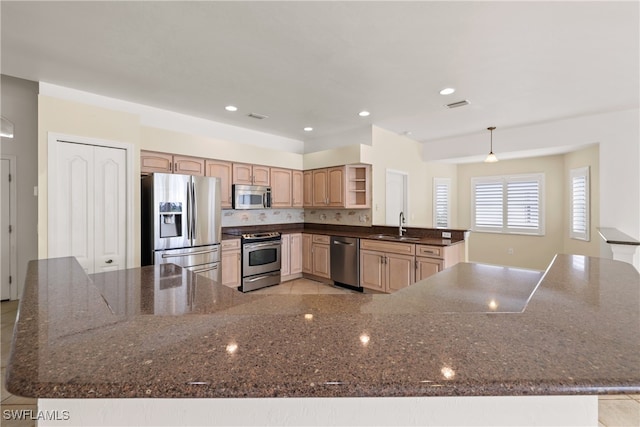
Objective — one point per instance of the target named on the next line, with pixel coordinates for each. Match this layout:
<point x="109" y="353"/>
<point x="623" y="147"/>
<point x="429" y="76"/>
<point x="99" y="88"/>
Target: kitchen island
<point x="484" y="332"/>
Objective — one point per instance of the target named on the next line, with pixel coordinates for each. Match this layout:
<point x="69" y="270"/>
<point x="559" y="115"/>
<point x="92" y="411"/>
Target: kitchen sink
<point x="393" y="237"/>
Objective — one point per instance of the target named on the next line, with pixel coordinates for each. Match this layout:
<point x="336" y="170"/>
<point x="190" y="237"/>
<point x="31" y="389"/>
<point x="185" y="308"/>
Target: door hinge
<point x="10" y="229"/>
<point x="9" y="177"/>
<point x="10" y="279"/>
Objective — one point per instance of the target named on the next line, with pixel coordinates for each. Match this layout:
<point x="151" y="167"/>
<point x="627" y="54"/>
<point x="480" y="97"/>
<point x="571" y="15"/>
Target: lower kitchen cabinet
<point x="231" y="263"/>
<point x="426" y="267"/>
<point x="433" y="259"/>
<point x="386" y="266"/>
<point x="291" y="256"/>
<point x="386" y="272"/>
<point x="316" y="259"/>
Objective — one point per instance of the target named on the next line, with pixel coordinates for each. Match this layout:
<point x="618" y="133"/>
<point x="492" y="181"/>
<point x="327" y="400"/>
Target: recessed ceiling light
<point x="231" y="108"/>
<point x="308" y="129"/>
<point x="363" y="113"/>
<point x="447" y="91"/>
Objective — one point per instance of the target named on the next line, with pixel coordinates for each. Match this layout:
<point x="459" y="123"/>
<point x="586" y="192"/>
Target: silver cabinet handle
<point x="189" y="253"/>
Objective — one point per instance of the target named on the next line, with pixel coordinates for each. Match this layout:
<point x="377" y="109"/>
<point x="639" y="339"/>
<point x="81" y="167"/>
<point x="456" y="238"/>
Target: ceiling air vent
<point x="257" y="116"/>
<point x="458" y="104"/>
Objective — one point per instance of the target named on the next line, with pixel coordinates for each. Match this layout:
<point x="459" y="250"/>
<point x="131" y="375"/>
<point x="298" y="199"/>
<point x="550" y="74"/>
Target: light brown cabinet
<point x="231" y="263"/>
<point x="152" y="161"/>
<point x="338" y="187"/>
<point x="316" y="255"/>
<point x="386" y="266"/>
<point x="250" y="174"/>
<point x="433" y="259"/>
<point x="297" y="189"/>
<point x="281" y="188"/>
<point x="291" y="256"/>
<point x="222" y="170"/>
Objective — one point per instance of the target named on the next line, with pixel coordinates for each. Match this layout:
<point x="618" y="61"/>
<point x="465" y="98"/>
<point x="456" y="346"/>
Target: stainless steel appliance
<point x="181" y="222"/>
<point x="260" y="260"/>
<point x="345" y="262"/>
<point x="251" y="196"/>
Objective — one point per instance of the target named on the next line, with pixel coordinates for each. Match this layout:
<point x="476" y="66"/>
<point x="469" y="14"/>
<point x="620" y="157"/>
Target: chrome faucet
<point x="401" y="221"/>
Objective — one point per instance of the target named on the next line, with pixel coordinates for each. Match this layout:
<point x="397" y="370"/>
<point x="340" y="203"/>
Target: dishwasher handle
<point x="338" y="242"/>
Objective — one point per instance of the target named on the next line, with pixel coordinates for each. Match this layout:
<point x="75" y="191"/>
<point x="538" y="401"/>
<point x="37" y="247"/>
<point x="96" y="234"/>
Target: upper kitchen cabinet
<point x="338" y="187"/>
<point x="151" y="161"/>
<point x="281" y="188"/>
<point x="250" y="174"/>
<point x="222" y="170"/>
<point x="297" y="189"/>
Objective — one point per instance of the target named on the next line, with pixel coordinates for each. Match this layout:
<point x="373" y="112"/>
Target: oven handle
<point x="266" y="276"/>
<point x="261" y="245"/>
<point x="210" y="251"/>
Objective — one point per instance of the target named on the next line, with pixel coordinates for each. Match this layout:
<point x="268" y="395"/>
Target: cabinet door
<point x="320" y="187"/>
<point x="295" y="249"/>
<point x="151" y="161"/>
<point x="335" y="187"/>
<point x="285" y="255"/>
<point x="321" y="260"/>
<point x="242" y="174"/>
<point x="230" y="268"/>
<point x="372" y="272"/>
<point x="261" y="175"/>
<point x="307" y="261"/>
<point x="188" y="165"/>
<point x="223" y="171"/>
<point x="297" y="189"/>
<point x="400" y="271"/>
<point x="280" y="188"/>
<point x="307" y="184"/>
<point x="426" y="267"/>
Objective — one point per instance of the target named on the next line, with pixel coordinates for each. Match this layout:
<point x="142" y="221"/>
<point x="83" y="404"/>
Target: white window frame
<point x="439" y="182"/>
<point x="580" y="173"/>
<point x="504" y="181"/>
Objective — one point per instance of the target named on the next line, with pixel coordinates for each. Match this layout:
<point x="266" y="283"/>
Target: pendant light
<point x="491" y="158"/>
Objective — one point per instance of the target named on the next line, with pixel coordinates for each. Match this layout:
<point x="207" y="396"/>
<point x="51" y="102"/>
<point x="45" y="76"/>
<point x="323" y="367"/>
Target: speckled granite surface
<point x="161" y="331"/>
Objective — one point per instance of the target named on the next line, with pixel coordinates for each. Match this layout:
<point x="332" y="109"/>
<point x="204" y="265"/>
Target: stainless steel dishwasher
<point x="345" y="262"/>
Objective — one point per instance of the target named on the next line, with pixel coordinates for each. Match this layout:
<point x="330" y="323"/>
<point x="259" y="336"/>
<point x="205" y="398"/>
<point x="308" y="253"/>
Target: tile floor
<point x="613" y="411"/>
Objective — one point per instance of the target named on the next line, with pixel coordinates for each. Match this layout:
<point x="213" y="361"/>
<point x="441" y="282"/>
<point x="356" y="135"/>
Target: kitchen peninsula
<point x="478" y="331"/>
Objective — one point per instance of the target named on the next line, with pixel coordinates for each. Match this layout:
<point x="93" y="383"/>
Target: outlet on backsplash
<point x="446" y="235"/>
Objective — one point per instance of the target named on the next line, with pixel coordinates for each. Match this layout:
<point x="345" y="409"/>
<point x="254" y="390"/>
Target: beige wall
<point x="577" y="159"/>
<point x="513" y="249"/>
<point x="532" y="251"/>
<point x="193" y="145"/>
<point x="399" y="153"/>
<point x="75" y="119"/>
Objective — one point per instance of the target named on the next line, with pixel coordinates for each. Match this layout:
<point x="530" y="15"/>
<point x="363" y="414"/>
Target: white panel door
<point x="109" y="209"/>
<point x="396" y="197"/>
<point x="87" y="205"/>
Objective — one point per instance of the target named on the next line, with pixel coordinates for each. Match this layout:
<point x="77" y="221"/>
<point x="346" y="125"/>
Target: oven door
<point x="261" y="257"/>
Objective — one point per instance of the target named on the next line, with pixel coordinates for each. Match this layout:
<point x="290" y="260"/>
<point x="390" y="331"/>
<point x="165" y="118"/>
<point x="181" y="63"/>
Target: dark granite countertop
<point x="473" y="329"/>
<point x="423" y="236"/>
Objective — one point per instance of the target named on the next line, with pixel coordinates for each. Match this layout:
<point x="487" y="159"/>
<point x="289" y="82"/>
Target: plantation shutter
<point x="579" y="204"/>
<point x="441" y="195"/>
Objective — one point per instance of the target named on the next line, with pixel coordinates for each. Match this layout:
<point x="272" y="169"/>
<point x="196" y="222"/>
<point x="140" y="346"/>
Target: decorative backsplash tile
<point x="360" y="217"/>
<point x="235" y="218"/>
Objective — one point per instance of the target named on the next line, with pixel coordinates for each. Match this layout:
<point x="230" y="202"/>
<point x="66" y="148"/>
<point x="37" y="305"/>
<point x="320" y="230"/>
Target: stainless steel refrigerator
<point x="181" y="222"/>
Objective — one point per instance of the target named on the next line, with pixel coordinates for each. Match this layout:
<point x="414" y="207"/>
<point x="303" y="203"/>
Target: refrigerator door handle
<point x="188" y="210"/>
<point x="194" y="210"/>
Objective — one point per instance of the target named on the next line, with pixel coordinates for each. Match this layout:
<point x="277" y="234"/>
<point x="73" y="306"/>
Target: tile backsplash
<point x="235" y="218"/>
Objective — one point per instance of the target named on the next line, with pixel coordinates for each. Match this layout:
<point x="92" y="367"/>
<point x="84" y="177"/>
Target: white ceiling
<point x="319" y="63"/>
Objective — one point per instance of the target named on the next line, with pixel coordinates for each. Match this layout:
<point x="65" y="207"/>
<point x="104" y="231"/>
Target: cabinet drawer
<point x="228" y="245"/>
<point x="429" y="251"/>
<point x="392" y="247"/>
<point x="319" y="238"/>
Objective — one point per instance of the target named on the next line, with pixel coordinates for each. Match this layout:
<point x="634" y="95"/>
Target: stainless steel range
<point x="260" y="260"/>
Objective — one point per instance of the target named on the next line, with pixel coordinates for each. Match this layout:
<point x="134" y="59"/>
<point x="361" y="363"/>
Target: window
<point x="441" y="202"/>
<point x="579" y="210"/>
<point x="508" y="204"/>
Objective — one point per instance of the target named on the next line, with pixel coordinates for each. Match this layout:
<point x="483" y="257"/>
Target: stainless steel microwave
<point x="251" y="196"/>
